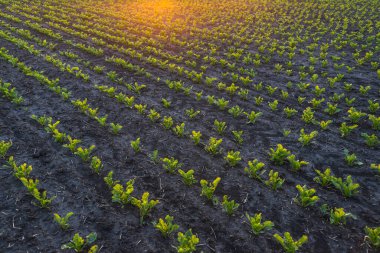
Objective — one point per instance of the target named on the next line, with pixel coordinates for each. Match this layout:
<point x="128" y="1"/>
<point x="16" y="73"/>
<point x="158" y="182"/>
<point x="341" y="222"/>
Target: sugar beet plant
<point x="373" y="236"/>
<point x="279" y="155"/>
<point x="254" y="169"/>
<point x="213" y="145"/>
<point x="171" y="164"/>
<point x="288" y="243"/>
<point x="347" y="187"/>
<point x="187" y="177"/>
<point x="166" y="227"/>
<point x="256" y="224"/>
<point x="123" y="195"/>
<point x="144" y="205"/>
<point x="274" y="181"/>
<point x="79" y="244"/>
<point x="229" y="206"/>
<point x="22" y="172"/>
<point x="306" y="196"/>
<point x="321" y="92"/>
<point x="208" y="188"/>
<point x="4" y="147"/>
<point x="187" y="242"/>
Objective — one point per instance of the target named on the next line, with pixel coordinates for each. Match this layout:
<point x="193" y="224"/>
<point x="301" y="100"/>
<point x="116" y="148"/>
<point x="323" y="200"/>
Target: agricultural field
<point x="190" y="126"/>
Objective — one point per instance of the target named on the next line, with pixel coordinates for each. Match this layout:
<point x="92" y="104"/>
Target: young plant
<point x="84" y="153"/>
<point x="191" y="113"/>
<point x="22" y="171"/>
<point x="222" y="103"/>
<point x="290" y="112"/>
<point x="355" y="115"/>
<point x="144" y="204"/>
<point x="306" y="196"/>
<point x="347" y="187"/>
<point x="255" y="169"/>
<point x="373" y="106"/>
<point x="136" y="145"/>
<point x="166" y="102"/>
<point x="375" y="167"/>
<point x="286" y="132"/>
<point x="109" y="180"/>
<point x="208" y="189"/>
<point x="198" y="95"/>
<point x="166" y="227"/>
<point x="332" y="109"/>
<point x="258" y="100"/>
<point x="210" y="99"/>
<point x="325" y="124"/>
<point x="296" y="164"/>
<point x="220" y="126"/>
<point x="140" y="108"/>
<point x="154" y="156"/>
<point x="187" y="242"/>
<point x="78" y="244"/>
<point x="371" y="140"/>
<point x="257" y="226"/>
<point x="271" y="89"/>
<point x="171" y="164"/>
<point x="274" y="181"/>
<point x="253" y="116"/>
<point x="351" y="159"/>
<point x="229" y="206"/>
<point x="213" y="145"/>
<point x="308" y="115"/>
<point x="72" y="145"/>
<point x="121" y="195"/>
<point x="115" y="128"/>
<point x="63" y="221"/>
<point x="305" y="139"/>
<point x="235" y="111"/>
<point x="43" y="120"/>
<point x="96" y="164"/>
<point x="179" y="129"/>
<point x="346" y="130"/>
<point x="323" y="178"/>
<point x="187" y="177"/>
<point x="153" y="115"/>
<point x="373" y="235"/>
<point x="273" y="105"/>
<point x="4" y="147"/>
<point x="196" y="137"/>
<point x="167" y="122"/>
<point x="278" y="155"/>
<point x="43" y="200"/>
<point x="238" y="136"/>
<point x="288" y="244"/>
<point x="316" y="103"/>
<point x="102" y="120"/>
<point x="375" y="121"/>
<point x="129" y="101"/>
<point x="339" y="216"/>
<point x="233" y="158"/>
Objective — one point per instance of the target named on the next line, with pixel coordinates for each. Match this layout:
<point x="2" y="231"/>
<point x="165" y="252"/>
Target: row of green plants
<point x="370" y="139"/>
<point x="233" y="156"/>
<point x="22" y="172"/>
<point x="273" y="180"/>
<point x="121" y="195"/>
<point x="10" y="92"/>
<point x="38" y="75"/>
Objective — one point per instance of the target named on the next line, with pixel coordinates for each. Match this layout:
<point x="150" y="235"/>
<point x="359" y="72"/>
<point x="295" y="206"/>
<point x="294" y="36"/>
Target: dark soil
<point x="24" y="227"/>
